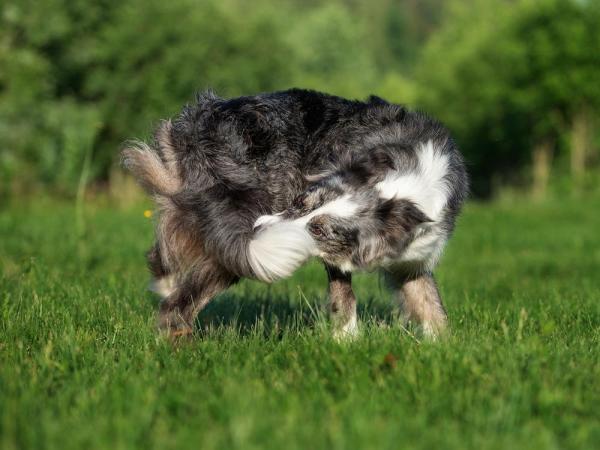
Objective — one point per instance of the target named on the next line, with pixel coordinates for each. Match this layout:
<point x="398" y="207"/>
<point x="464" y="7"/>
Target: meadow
<point x="82" y="365"/>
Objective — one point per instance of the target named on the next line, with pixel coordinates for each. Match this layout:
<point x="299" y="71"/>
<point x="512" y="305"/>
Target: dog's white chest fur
<point x="425" y="186"/>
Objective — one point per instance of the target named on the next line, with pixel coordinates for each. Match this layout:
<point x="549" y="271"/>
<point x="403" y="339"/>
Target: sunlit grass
<point x="81" y="364"/>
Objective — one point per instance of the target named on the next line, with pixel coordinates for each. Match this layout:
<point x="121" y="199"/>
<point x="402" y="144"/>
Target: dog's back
<point x="221" y="164"/>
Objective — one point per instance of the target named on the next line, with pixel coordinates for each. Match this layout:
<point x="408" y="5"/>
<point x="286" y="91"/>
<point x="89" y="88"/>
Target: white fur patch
<point x="163" y="286"/>
<point x="345" y="331"/>
<point x="267" y="220"/>
<point x="278" y="250"/>
<point x="347" y="266"/>
<point x="284" y="245"/>
<point x="340" y="207"/>
<point x="426" y="186"/>
<point x="426" y="248"/>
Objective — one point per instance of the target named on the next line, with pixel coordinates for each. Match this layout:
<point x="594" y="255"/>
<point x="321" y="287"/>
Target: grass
<point x="81" y="365"/>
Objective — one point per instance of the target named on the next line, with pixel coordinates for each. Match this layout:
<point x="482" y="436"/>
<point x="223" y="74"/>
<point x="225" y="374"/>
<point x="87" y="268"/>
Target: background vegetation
<point x="81" y="363"/>
<point x="515" y="80"/>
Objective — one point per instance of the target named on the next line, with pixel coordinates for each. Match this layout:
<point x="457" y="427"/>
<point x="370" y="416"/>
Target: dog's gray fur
<point x="253" y="186"/>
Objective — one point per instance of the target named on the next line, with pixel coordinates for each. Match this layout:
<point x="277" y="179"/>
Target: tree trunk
<point x="542" y="159"/>
<point x="581" y="137"/>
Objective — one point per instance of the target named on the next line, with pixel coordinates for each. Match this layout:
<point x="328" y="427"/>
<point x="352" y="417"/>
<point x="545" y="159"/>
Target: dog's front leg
<point x="421" y="303"/>
<point x="342" y="303"/>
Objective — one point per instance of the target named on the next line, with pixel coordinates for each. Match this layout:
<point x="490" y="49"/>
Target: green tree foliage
<point x="509" y="76"/>
<point x="79" y="78"/>
<point x="328" y="51"/>
<point x="47" y="123"/>
<point x="155" y="55"/>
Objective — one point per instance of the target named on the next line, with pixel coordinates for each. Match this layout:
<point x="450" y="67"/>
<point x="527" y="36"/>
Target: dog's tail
<point x="266" y="253"/>
<point x="276" y="251"/>
<point x="155" y="168"/>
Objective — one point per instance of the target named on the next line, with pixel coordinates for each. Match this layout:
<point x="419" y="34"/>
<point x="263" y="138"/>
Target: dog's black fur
<point x="225" y="163"/>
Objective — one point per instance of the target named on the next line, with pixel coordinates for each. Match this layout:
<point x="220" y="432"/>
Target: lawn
<point x="82" y="366"/>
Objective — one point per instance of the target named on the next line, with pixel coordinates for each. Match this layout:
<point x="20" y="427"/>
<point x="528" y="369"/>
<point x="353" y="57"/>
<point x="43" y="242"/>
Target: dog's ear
<point x="359" y="169"/>
<point x="368" y="167"/>
<point x="398" y="218"/>
<point x="396" y="222"/>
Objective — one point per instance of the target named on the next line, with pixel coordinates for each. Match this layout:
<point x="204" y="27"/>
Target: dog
<point x="254" y="186"/>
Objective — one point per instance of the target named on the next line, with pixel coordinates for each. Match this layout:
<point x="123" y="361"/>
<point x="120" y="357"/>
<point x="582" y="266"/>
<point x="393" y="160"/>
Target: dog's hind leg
<point x="201" y="284"/>
<point x="163" y="280"/>
<point x="421" y="303"/>
<point x="342" y="303"/>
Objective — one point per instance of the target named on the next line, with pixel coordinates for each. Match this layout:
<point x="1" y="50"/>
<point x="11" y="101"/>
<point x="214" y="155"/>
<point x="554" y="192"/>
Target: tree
<point x="510" y="78"/>
<point x="47" y="125"/>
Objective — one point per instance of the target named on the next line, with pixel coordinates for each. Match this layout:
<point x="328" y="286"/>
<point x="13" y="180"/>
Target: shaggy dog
<point x="254" y="186"/>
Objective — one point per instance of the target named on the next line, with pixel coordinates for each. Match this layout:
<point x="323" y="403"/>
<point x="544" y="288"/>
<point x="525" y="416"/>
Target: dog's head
<point x="351" y="226"/>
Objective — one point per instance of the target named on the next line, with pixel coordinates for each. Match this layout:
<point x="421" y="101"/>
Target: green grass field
<point x="82" y="366"/>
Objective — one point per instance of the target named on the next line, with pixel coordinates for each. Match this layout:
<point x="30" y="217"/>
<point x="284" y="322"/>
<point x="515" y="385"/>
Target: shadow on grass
<point x="274" y="315"/>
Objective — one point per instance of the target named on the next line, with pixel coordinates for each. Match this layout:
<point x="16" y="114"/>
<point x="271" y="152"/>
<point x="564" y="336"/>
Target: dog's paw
<point x="433" y="331"/>
<point x="429" y="330"/>
<point x="173" y="324"/>
<point x="345" y="332"/>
